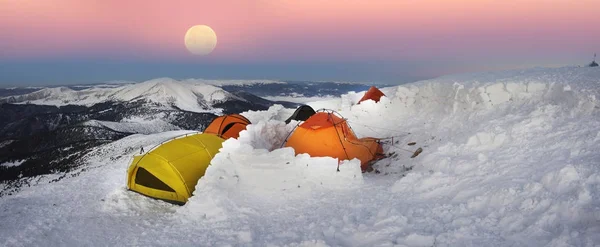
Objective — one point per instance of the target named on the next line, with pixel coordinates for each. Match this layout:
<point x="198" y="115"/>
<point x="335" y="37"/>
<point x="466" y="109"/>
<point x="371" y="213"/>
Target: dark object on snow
<point x="419" y="150"/>
<point x="301" y="114"/>
<point x="411" y="143"/>
<point x="594" y="64"/>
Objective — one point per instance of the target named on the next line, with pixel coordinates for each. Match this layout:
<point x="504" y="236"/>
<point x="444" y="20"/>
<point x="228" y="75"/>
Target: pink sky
<point x="514" y="32"/>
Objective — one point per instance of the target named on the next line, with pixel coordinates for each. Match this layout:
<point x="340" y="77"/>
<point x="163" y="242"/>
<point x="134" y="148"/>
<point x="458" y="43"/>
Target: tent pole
<point x="339" y="138"/>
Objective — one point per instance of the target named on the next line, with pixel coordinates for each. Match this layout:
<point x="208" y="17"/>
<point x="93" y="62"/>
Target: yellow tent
<point x="171" y="171"/>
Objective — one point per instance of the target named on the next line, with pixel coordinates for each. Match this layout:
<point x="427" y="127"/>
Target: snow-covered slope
<point x="185" y="95"/>
<point x="510" y="159"/>
<point x="231" y="82"/>
<point x="139" y="126"/>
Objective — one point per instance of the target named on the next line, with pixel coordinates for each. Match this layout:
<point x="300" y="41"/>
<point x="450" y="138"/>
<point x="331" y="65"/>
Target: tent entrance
<point x="145" y="178"/>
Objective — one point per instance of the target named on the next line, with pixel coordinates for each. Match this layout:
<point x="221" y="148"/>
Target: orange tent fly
<point x="228" y="126"/>
<point x="373" y="94"/>
<point x="325" y="134"/>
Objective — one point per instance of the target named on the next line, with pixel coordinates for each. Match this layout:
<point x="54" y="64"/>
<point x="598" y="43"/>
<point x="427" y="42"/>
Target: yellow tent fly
<point x="171" y="171"/>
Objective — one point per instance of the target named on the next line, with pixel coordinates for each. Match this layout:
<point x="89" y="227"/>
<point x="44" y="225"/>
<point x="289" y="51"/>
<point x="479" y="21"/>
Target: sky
<point x="379" y="41"/>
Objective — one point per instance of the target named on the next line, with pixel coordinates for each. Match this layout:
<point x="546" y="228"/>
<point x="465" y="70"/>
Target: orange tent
<point x="228" y="126"/>
<point x="325" y="134"/>
<point x="373" y="93"/>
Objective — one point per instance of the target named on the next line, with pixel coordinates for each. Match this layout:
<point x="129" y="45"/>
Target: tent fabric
<point x="325" y="134"/>
<point x="373" y="94"/>
<point x="301" y="114"/>
<point x="227" y="126"/>
<point x="171" y="171"/>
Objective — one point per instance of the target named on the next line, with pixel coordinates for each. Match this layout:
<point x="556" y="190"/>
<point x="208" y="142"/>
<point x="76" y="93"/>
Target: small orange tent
<point x="228" y="126"/>
<point x="325" y="134"/>
<point x="373" y="93"/>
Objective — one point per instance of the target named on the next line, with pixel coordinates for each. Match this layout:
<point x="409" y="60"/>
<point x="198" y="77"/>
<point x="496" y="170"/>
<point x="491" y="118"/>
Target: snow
<point x="171" y="92"/>
<point x="510" y="159"/>
<point x="13" y="163"/>
<point x="134" y="125"/>
<point x="4" y="143"/>
<point x="186" y="95"/>
<point x="231" y="82"/>
<point x="298" y="98"/>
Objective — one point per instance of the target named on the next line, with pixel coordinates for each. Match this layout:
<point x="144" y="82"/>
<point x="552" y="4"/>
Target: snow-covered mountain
<point x="163" y="91"/>
<point x="510" y="159"/>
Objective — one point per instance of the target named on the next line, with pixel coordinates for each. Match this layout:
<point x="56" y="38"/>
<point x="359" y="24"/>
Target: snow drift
<point x="510" y="158"/>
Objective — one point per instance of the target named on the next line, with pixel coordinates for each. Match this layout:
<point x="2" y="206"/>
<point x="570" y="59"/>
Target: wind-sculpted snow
<point x="274" y="176"/>
<point x="509" y="159"/>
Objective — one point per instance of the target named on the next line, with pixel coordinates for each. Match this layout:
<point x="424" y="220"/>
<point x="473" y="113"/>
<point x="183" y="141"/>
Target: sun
<point x="200" y="40"/>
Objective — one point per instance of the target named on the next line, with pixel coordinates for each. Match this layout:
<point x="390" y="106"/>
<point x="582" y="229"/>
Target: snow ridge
<point x="196" y="97"/>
